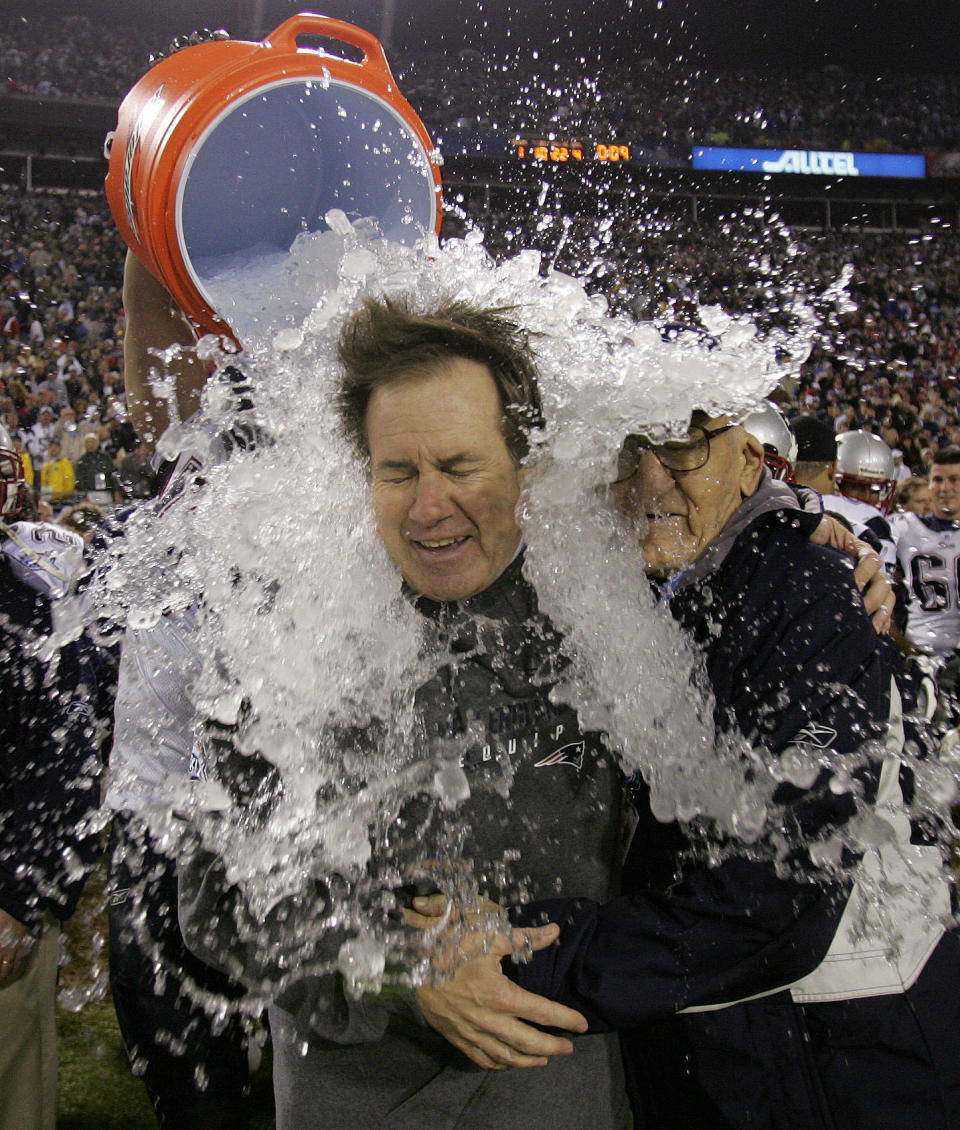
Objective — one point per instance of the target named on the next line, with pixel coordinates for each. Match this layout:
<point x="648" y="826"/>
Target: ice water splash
<point x="304" y="636"/>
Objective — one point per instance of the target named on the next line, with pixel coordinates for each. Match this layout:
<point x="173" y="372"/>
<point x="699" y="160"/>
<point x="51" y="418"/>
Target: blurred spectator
<point x="57" y="477"/>
<point x="84" y="519"/>
<point x="29" y="411"/>
<point x="20" y="447"/>
<point x="96" y="477"/>
<point x="35" y="336"/>
<point x="55" y="384"/>
<point x="913" y="496"/>
<point x="38" y="437"/>
<point x="68" y="365"/>
<point x="902" y="473"/>
<point x="69" y="434"/>
<point x="136" y="474"/>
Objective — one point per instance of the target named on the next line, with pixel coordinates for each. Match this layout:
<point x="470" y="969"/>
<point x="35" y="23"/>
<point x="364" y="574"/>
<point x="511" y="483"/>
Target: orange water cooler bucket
<point x="228" y="146"/>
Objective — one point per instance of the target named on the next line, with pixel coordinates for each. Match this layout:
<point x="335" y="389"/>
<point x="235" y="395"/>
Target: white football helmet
<point x="769" y="426"/>
<point x="865" y="461"/>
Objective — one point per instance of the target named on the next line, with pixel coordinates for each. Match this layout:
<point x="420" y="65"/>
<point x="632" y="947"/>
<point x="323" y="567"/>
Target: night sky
<point x="869" y="35"/>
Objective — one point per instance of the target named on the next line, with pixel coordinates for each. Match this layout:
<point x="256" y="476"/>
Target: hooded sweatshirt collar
<point x="770" y="496"/>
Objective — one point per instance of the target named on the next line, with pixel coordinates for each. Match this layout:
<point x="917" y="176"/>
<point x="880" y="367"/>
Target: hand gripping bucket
<point x="229" y="146"/>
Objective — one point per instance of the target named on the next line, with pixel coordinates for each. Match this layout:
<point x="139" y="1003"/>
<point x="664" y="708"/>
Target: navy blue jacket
<point x="790" y="655"/>
<point x="49" y="760"/>
<point x="789" y="652"/>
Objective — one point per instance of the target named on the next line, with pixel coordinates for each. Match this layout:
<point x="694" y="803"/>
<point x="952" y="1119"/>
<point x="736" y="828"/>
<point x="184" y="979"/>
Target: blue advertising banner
<point x="810" y="161"/>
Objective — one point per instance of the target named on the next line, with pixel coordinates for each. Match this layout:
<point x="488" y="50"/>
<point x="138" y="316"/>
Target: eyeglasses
<point x="681" y="455"/>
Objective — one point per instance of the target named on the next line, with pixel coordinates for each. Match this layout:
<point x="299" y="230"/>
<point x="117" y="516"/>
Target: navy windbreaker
<point x="790" y="654"/>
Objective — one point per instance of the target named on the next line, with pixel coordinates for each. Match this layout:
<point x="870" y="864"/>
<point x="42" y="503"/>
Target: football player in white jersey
<point x="196" y="1073"/>
<point x="928" y="552"/>
<point x="46" y="557"/>
<point x="865" y="487"/>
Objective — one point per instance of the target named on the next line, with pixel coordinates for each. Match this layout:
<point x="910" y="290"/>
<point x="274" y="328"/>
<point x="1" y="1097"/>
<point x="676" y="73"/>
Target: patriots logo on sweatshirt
<point x="816" y="734"/>
<point x="571" y="754"/>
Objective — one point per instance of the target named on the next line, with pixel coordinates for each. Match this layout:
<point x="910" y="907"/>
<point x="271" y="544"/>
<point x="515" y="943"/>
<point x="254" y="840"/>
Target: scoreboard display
<point x="549" y="151"/>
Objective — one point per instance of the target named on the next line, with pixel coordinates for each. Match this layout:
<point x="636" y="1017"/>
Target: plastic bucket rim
<point x="254" y="92"/>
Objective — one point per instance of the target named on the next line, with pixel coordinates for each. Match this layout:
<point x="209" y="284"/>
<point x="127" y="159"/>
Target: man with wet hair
<point x="439" y="404"/>
<point x="387" y="341"/>
<point x="757" y="985"/>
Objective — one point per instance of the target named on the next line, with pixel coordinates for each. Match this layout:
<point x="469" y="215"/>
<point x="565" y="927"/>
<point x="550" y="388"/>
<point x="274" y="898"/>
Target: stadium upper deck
<point x="647" y="104"/>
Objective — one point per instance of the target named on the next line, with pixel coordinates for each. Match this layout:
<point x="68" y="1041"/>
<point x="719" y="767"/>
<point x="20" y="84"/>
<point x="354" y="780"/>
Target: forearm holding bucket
<point x="154" y="322"/>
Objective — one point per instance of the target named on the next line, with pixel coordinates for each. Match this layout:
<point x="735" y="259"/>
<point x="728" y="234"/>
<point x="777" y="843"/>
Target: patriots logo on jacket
<point x="571" y="754"/>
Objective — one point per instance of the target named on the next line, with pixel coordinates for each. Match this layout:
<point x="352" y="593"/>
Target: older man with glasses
<point x="756" y="984"/>
<point x="686" y="510"/>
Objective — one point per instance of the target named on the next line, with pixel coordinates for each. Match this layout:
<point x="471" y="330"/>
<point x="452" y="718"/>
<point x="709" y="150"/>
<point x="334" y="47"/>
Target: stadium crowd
<point x="668" y="105"/>
<point x="661" y="105"/>
<point x="61" y="344"/>
<point x="885" y="360"/>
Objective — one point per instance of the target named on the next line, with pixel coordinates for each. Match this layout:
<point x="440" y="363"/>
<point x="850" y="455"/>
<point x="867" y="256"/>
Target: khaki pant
<point x="28" y="1040"/>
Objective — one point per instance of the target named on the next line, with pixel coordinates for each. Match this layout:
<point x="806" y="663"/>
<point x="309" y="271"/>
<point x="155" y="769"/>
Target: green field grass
<point x="96" y="1089"/>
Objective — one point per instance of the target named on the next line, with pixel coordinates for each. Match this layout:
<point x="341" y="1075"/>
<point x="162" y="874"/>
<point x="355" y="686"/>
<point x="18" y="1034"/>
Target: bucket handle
<point x="309" y="23"/>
